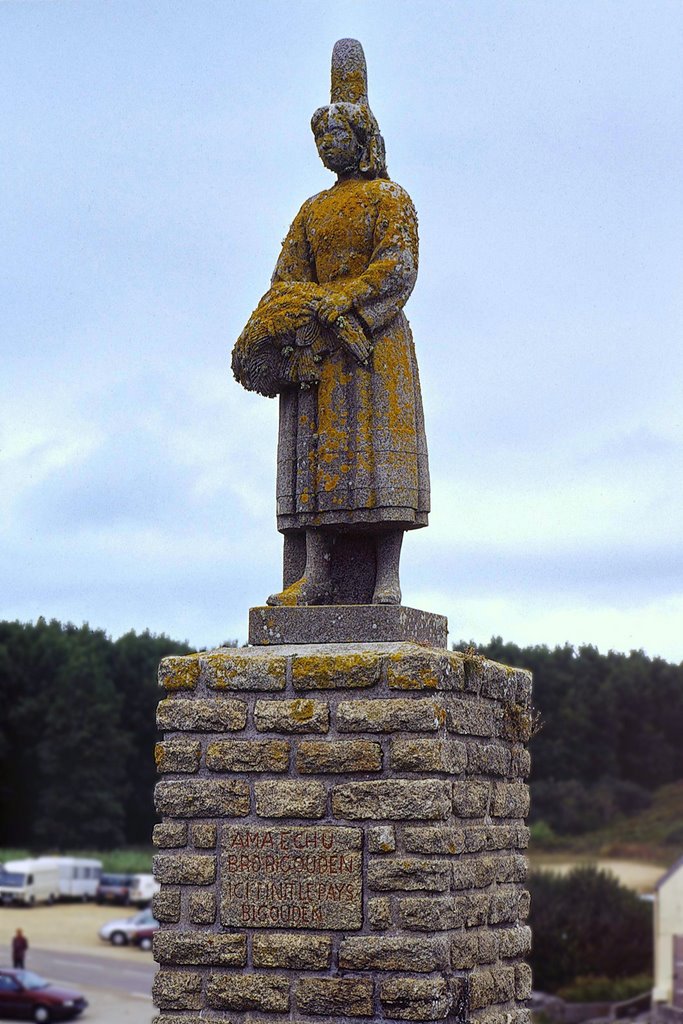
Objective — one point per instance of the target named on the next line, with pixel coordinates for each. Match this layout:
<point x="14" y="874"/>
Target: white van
<point x="28" y="881"/>
<point x="78" y="876"/>
<point x="142" y="889"/>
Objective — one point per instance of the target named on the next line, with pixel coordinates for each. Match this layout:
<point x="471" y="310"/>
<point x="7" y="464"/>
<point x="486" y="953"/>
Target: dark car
<point x="114" y="889"/>
<point x="143" y="936"/>
<point x="26" y="996"/>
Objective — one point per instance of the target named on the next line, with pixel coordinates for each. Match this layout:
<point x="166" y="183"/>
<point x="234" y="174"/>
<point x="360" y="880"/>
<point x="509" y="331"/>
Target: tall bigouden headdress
<point x="349" y="89"/>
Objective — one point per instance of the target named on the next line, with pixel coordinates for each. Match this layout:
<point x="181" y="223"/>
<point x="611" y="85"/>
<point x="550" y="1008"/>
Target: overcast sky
<point x="153" y="156"/>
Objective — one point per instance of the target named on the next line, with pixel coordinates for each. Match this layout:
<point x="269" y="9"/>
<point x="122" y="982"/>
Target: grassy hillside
<point x="655" y="834"/>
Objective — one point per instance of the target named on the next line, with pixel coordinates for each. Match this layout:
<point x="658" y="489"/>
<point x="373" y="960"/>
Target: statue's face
<point x="337" y="142"/>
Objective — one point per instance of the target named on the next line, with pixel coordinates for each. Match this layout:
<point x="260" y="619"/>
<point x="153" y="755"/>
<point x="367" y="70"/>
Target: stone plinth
<point x="342" y="836"/>
<point x="345" y="624"/>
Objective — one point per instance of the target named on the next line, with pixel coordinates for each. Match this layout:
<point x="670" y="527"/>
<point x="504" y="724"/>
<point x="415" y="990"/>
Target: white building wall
<point x="668" y="919"/>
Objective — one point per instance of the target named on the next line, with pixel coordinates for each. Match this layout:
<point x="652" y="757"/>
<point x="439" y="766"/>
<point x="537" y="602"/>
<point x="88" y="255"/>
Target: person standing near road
<point x="19" y="947"/>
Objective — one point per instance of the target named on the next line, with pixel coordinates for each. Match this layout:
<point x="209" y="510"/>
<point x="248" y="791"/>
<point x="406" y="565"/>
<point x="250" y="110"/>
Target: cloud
<point x="653" y="626"/>
<point x="152" y="174"/>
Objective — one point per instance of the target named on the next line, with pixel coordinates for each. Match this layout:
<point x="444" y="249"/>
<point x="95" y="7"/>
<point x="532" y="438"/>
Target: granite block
<point x="351" y="623"/>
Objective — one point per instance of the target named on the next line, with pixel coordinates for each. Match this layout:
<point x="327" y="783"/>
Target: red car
<point x="143" y="936"/>
<point x="26" y="996"/>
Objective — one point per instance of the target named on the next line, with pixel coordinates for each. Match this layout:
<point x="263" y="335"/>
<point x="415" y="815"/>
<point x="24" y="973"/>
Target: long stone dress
<point x="352" y="452"/>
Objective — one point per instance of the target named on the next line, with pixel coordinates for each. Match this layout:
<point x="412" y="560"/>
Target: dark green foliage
<point x="607" y="990"/>
<point x="77" y="734"/>
<point x="570" y="807"/>
<point x="610" y="731"/>
<point x="82" y="754"/>
<point x="584" y="924"/>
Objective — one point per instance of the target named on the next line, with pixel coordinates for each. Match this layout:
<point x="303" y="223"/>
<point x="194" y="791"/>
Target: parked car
<point x="79" y="877"/>
<point x="124" y="930"/>
<point x="114" y="889"/>
<point x="144" y="936"/>
<point x="28" y="882"/>
<point x="26" y="995"/>
<point x="142" y="889"/>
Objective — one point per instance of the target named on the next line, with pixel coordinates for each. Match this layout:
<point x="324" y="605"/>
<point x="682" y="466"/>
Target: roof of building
<point x="676" y="866"/>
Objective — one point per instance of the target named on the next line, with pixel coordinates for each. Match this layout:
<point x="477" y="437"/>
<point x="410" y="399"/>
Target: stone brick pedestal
<point x="341" y="837"/>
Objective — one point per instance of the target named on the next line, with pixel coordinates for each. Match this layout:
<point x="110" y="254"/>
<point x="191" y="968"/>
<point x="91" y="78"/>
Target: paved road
<point x="118" y="990"/>
<point x="124" y="976"/>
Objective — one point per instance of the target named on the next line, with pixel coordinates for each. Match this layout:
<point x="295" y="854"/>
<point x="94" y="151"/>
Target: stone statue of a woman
<point x="331" y="339"/>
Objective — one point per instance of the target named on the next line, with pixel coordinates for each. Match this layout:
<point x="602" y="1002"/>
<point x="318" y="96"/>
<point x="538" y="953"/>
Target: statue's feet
<point x="388" y="593"/>
<point x="302" y="592"/>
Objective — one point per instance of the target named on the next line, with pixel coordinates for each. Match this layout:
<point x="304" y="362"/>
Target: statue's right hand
<point x="351" y="334"/>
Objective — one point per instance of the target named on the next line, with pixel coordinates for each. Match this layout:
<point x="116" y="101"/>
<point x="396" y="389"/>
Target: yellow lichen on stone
<point x="230" y="669"/>
<point x="179" y="673"/>
<point x="412" y="669"/>
<point x="421" y="676"/>
<point x="520" y="722"/>
<point x="320" y="672"/>
<point x="303" y="710"/>
<point x="291" y="595"/>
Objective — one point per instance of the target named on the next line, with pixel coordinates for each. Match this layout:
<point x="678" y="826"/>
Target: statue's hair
<point x="373" y="161"/>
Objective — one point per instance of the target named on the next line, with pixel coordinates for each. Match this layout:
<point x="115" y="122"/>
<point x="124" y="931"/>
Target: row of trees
<point x="610" y="728"/>
<point x="77" y="733"/>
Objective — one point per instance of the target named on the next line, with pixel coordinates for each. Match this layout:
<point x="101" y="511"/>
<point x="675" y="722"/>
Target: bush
<point x="605" y="990"/>
<point x="586" y="923"/>
<point x="543" y="835"/>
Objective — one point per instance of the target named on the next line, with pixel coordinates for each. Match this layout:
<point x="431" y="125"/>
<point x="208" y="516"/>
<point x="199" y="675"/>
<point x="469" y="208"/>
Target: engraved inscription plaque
<point x="296" y="877"/>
